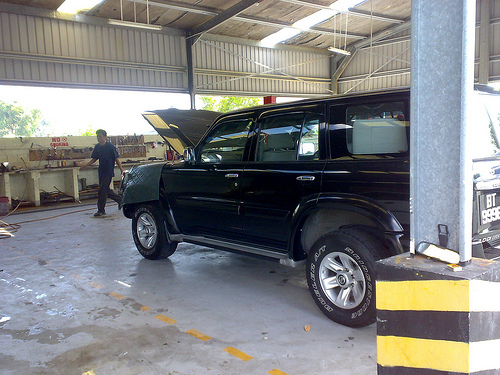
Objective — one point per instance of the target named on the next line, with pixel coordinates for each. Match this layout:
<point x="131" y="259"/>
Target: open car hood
<point x="181" y="128"/>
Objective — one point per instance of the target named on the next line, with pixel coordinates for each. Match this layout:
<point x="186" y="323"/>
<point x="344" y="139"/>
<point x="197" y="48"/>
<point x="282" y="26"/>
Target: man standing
<point x="107" y="155"/>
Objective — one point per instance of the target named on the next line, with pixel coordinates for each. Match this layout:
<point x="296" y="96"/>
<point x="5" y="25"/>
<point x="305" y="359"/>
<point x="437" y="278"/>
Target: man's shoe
<point x="99" y="213"/>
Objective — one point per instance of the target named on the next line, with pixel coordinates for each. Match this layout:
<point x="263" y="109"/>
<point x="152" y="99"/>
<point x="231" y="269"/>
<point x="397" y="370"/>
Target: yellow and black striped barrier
<point x="433" y="320"/>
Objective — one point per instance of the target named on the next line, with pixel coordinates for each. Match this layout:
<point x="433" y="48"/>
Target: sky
<point x="69" y="111"/>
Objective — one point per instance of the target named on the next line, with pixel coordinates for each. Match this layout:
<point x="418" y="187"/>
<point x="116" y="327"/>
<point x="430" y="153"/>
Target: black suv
<point x="325" y="181"/>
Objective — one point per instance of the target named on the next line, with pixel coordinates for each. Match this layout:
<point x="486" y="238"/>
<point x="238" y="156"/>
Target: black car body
<point x="325" y="180"/>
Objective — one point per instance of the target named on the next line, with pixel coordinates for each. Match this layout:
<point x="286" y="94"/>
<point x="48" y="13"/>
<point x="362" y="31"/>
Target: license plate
<point x="489" y="207"/>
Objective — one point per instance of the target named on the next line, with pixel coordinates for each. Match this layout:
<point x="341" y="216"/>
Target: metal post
<point x="190" y="72"/>
<point x="442" y="73"/>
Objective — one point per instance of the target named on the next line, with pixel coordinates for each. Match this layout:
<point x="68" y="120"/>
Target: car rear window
<point x="368" y="129"/>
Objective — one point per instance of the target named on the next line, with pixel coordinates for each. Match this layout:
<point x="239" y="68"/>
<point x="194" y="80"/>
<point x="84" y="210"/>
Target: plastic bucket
<point x="4" y="206"/>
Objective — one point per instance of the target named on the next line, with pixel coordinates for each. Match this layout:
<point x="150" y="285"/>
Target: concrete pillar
<point x="434" y="318"/>
<point x="5" y="187"/>
<point x="71" y="183"/>
<point x="442" y="82"/>
<point x="33" y="193"/>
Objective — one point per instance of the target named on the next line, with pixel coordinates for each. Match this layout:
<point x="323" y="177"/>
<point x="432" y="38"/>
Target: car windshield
<point x="486" y="123"/>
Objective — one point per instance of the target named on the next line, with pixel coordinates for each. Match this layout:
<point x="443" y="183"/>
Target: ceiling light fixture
<point x="134" y="24"/>
<point x="339" y="51"/>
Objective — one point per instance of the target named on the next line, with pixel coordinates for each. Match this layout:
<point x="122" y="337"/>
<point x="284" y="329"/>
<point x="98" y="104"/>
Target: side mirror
<point x="189" y="155"/>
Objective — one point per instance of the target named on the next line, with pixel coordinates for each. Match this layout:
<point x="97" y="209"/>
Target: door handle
<point x="231" y="175"/>
<point x="305" y="178"/>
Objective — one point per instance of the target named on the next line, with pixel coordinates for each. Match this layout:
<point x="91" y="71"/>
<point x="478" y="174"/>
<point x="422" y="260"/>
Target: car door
<point x="285" y="171"/>
<point x="206" y="193"/>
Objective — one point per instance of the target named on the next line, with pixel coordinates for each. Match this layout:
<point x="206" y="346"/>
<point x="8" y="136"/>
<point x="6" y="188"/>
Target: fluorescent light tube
<point x="339" y="51"/>
<point x="134" y="24"/>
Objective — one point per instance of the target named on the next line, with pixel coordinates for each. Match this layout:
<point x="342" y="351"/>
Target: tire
<point x="150" y="234"/>
<point x="341" y="276"/>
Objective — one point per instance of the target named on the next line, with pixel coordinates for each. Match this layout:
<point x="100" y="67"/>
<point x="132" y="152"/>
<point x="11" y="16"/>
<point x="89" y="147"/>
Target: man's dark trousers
<point x="105" y="192"/>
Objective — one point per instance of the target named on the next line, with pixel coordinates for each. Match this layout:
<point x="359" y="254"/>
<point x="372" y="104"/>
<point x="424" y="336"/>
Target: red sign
<point x="59" y="142"/>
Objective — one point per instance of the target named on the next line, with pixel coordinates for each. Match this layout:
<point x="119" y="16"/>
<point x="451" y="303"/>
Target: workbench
<point x="27" y="184"/>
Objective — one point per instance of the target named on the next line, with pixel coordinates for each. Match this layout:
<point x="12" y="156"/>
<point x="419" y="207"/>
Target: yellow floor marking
<point x="145" y="308"/>
<point x="76" y="276"/>
<point x="117" y="295"/>
<point x="165" y="319"/>
<point x="91" y="372"/>
<point x="237" y="353"/>
<point x="277" y="372"/>
<point x="198" y="335"/>
<point x="95" y="285"/>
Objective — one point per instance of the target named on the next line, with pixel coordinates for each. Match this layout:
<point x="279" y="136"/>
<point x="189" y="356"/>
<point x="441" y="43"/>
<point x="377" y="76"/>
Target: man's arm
<point x="85" y="165"/>
<point x="119" y="164"/>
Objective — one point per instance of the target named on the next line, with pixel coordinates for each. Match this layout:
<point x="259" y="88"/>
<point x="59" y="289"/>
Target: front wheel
<point x="150" y="235"/>
<point x="341" y="276"/>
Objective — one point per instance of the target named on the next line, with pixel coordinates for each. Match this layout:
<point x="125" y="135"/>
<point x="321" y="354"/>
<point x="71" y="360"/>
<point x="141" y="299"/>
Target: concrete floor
<point x="77" y="298"/>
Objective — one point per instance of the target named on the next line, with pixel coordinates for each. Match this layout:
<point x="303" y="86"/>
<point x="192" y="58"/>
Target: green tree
<point x="15" y="122"/>
<point x="229" y="103"/>
<point x="88" y="132"/>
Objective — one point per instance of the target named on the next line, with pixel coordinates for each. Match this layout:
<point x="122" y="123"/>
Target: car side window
<point x="227" y="142"/>
<point x="286" y="137"/>
<point x="379" y="128"/>
<point x="368" y="129"/>
<point x="279" y="137"/>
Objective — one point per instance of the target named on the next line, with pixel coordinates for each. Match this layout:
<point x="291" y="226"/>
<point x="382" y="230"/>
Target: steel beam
<point x="354" y="12"/>
<point x="190" y="72"/>
<point x="237" y="8"/>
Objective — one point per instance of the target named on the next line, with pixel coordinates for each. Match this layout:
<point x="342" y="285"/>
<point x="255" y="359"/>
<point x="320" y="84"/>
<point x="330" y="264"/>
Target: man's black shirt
<point x="106" y="155"/>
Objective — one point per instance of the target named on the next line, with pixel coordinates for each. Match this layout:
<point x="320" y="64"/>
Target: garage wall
<point x="49" y="51"/>
<point x="493" y="48"/>
<point x="381" y="65"/>
<point x="44" y="48"/>
<point x="386" y="63"/>
<point x="231" y="67"/>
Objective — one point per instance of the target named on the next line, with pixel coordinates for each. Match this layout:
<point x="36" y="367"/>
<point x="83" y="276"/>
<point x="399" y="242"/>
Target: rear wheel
<point x="341" y="276"/>
<point x="150" y="234"/>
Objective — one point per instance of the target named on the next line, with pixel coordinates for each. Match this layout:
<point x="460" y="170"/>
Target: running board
<point x="198" y="240"/>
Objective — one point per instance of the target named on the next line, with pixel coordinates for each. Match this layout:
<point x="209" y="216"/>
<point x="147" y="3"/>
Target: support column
<point x="5" y="187"/>
<point x="190" y="72"/>
<point x="71" y="183"/>
<point x="433" y="318"/>
<point x="442" y="83"/>
<point x="33" y="193"/>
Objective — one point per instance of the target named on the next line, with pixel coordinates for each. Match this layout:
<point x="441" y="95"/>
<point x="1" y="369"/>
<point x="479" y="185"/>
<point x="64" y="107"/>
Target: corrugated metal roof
<point x="258" y="19"/>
